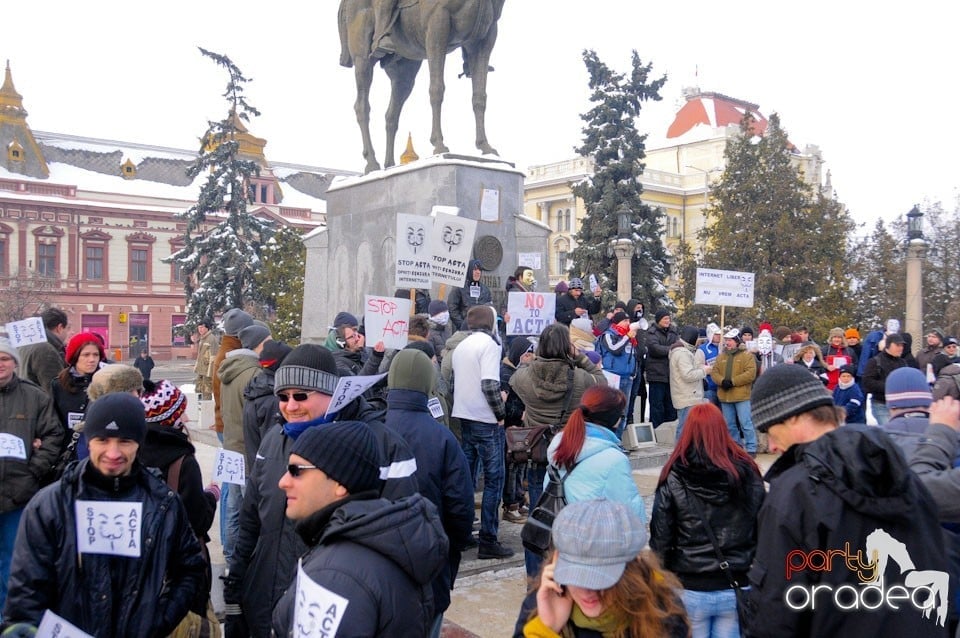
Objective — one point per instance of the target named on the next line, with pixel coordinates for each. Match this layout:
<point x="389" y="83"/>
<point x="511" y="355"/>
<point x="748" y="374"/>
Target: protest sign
<point x="530" y="312"/>
<point x="724" y="288"/>
<point x="452" y="245"/>
<point x="229" y="467"/>
<point x="386" y="319"/>
<point x="414" y="264"/>
<point x="26" y="332"/>
<point x="109" y="527"/>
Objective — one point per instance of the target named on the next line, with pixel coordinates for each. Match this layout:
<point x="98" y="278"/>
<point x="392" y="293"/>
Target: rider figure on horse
<point x="382" y="21"/>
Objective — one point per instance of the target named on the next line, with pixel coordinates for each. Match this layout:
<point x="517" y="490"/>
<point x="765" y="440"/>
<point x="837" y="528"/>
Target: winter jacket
<point x="235" y="373"/>
<point x="618" y="352"/>
<point x="26" y="412"/>
<point x="686" y="375"/>
<point x="934" y="460"/>
<point x="602" y="471"/>
<point x="816" y="369"/>
<point x="676" y="626"/>
<point x="741" y="368"/>
<point x="41" y="362"/>
<point x="438" y="336"/>
<point x="207" y="347"/>
<point x="145" y="365"/>
<point x="829" y="355"/>
<point x="710" y="353"/>
<point x="869" y="348"/>
<point x="443" y="478"/>
<point x="566" y="306"/>
<point x="68" y="403"/>
<point x="948" y="382"/>
<point x="460" y="300"/>
<point x="677" y="532"/>
<point x="227" y="344"/>
<point x="265" y="557"/>
<point x="853" y="401"/>
<point x="829" y="495"/>
<point x="875" y="375"/>
<point x="103" y="595"/>
<point x="513" y="404"/>
<point x="543" y="385"/>
<point x="378" y="555"/>
<point x="926" y="356"/>
<point x="659" y="341"/>
<point x="261" y="409"/>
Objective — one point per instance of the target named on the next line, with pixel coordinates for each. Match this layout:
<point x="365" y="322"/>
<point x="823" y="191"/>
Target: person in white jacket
<point x="688" y="369"/>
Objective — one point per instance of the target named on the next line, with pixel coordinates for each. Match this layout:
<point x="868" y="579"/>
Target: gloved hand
<point x="231" y="589"/>
<point x="235" y="625"/>
<point x="726" y="384"/>
<point x="20" y="630"/>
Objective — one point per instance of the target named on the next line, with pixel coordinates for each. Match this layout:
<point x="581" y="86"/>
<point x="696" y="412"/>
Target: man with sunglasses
<point x="267" y="548"/>
<point x="370" y="560"/>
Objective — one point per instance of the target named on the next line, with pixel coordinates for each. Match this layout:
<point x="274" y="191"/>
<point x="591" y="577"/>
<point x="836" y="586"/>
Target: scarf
<point x="294" y="430"/>
<point x="442" y="318"/>
<point x="606" y="623"/>
<point x="620" y="330"/>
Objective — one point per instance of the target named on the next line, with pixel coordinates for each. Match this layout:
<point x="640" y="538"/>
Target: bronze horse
<point x="422" y="30"/>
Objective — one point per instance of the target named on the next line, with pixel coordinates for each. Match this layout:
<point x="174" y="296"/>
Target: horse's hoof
<point x="371" y="166"/>
<point x="486" y="149"/>
<point x="440" y="149"/>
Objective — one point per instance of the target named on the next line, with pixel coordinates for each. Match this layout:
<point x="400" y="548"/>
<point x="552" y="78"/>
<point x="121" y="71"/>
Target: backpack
<point x="538" y="530"/>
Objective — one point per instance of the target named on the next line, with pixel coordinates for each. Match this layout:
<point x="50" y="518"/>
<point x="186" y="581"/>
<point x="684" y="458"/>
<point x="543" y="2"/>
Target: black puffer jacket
<point x="27" y="413"/>
<point x="658" y="343"/>
<point x="567" y="305"/>
<point x="830" y="495"/>
<point x="103" y="595"/>
<point x="261" y="410"/>
<point x="380" y="556"/>
<point x="677" y="533"/>
<point x="267" y="549"/>
<point x="66" y="402"/>
<point x="876" y="373"/>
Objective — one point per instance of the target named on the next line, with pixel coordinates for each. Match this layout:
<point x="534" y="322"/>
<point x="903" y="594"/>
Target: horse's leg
<point x="402" y="74"/>
<point x="363" y="71"/>
<point x="435" y="44"/>
<point x="479" y="62"/>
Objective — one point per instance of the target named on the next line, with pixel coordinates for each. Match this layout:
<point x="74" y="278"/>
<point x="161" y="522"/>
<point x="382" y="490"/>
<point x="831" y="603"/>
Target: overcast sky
<point x="873" y="87"/>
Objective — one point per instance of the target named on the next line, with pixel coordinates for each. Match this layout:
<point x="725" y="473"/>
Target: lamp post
<point x="916" y="253"/>
<point x="623" y="248"/>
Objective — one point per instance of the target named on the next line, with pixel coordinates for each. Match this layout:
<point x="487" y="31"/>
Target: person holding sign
<point x="573" y="304"/>
<point x="371" y="560"/>
<point x="30" y="437"/>
<point x="108" y="547"/>
<point x="41" y="362"/>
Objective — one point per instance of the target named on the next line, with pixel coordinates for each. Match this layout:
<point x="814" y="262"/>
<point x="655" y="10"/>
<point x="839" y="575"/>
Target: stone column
<point x="916" y="253"/>
<point x="623" y="249"/>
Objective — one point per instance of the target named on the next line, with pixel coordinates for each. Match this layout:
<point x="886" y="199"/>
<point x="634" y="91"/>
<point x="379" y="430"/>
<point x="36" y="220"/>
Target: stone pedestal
<point x="623" y="249"/>
<point x="913" y="321"/>
<point x="355" y="253"/>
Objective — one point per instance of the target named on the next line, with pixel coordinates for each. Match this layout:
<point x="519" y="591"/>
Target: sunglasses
<point x="296" y="470"/>
<point x="299" y="397"/>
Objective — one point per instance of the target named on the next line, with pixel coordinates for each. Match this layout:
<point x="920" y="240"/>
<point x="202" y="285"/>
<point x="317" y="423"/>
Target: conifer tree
<point x="284" y="254"/>
<point x="222" y="242"/>
<point x="878" y="273"/>
<point x="611" y="138"/>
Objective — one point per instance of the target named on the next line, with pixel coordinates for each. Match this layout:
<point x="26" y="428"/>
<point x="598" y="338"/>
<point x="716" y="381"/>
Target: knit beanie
<point x="118" y="415"/>
<point x="575" y="282"/>
<point x="436" y="307"/>
<point x="235" y="320"/>
<point x="308" y="367"/>
<point x="561" y="287"/>
<point x="163" y="403"/>
<point x="273" y="354"/>
<point x="746" y="330"/>
<point x="115" y="377"/>
<point x="908" y="388"/>
<point x="660" y="315"/>
<point x="851" y="333"/>
<point x="345" y="319"/>
<point x="8" y="348"/>
<point x="76" y="344"/>
<point x="617" y="317"/>
<point x="785" y="391"/>
<point x="690" y="334"/>
<point x="346" y="451"/>
<point x="594" y="356"/>
<point x="252" y="336"/>
<point x="519" y="347"/>
<point x="411" y="370"/>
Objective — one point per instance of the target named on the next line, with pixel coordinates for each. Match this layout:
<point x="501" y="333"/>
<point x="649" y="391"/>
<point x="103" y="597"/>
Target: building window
<point x="562" y="262"/>
<point x="568" y="220"/>
<point x="3" y="256"/>
<point x="178" y="336"/>
<point x="47" y="260"/>
<point x="138" y="263"/>
<point x="93" y="265"/>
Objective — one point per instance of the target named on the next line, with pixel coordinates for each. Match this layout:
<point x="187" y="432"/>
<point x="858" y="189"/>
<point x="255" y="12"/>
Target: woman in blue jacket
<point x="618" y="347"/>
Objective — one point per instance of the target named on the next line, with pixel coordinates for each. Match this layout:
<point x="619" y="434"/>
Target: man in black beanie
<point x="371" y="560"/>
<point x="265" y="557"/>
<point x="109" y="546"/>
<point x="847" y="491"/>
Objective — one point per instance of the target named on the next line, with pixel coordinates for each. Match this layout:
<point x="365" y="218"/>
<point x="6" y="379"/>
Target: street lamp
<point x="916" y="253"/>
<point x="624" y="222"/>
<point x="914" y="224"/>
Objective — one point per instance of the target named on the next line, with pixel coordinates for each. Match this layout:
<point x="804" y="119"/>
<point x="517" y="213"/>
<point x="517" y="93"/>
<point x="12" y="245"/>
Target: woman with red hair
<point x="709" y="480"/>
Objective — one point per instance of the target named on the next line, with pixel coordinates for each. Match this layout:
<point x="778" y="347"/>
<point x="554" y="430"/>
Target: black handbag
<point x="537" y="531"/>
<point x="528" y="445"/>
<point x="724" y="564"/>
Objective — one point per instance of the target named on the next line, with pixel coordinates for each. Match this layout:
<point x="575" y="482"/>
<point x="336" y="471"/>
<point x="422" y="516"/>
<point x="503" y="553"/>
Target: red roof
<point x="714" y="110"/>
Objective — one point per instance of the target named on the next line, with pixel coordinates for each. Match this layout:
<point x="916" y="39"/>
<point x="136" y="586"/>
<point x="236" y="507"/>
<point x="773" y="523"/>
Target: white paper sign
<point x="530" y="312"/>
<point x="490" y="205"/>
<point x="12" y="447"/>
<point x="724" y="288"/>
<point x="53" y="626"/>
<point x="348" y="389"/>
<point x="613" y="380"/>
<point x="529" y="260"/>
<point x="436" y="408"/>
<point x="414" y="263"/>
<point x="593" y="283"/>
<point x="28" y="331"/>
<point x="386" y="319"/>
<point x="229" y="467"/>
<point x="109" y="527"/>
<point x="452" y="245"/>
<point x="318" y="610"/>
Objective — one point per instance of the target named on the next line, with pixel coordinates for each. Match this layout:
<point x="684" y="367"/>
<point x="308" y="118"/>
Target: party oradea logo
<point x="922" y="591"/>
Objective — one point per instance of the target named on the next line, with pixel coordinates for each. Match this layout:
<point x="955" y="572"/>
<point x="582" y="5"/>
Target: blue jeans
<point x="711" y="396"/>
<point x="880" y="412"/>
<point x="712" y="614"/>
<point x="230" y="519"/>
<point x="661" y="404"/>
<point x="681" y="419"/>
<point x="485" y="442"/>
<point x="535" y="476"/>
<point x="626" y="386"/>
<point x="9" y="522"/>
<point x="732" y="412"/>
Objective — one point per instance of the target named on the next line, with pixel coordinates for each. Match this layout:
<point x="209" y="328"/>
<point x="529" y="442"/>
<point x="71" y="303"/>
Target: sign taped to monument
<point x="724" y="288"/>
<point x="414" y="263"/>
<point x="452" y="245"/>
<point x="386" y="319"/>
<point x="530" y="312"/>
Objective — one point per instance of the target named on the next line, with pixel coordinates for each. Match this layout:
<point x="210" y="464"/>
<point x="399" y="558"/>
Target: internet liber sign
<point x="724" y="288"/>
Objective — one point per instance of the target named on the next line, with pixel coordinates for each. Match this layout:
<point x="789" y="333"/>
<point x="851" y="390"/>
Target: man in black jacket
<point x="660" y="336"/>
<point x="371" y="560"/>
<point x="878" y="369"/>
<point x="573" y="303"/>
<point x="846" y="528"/>
<point x="109" y="547"/>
